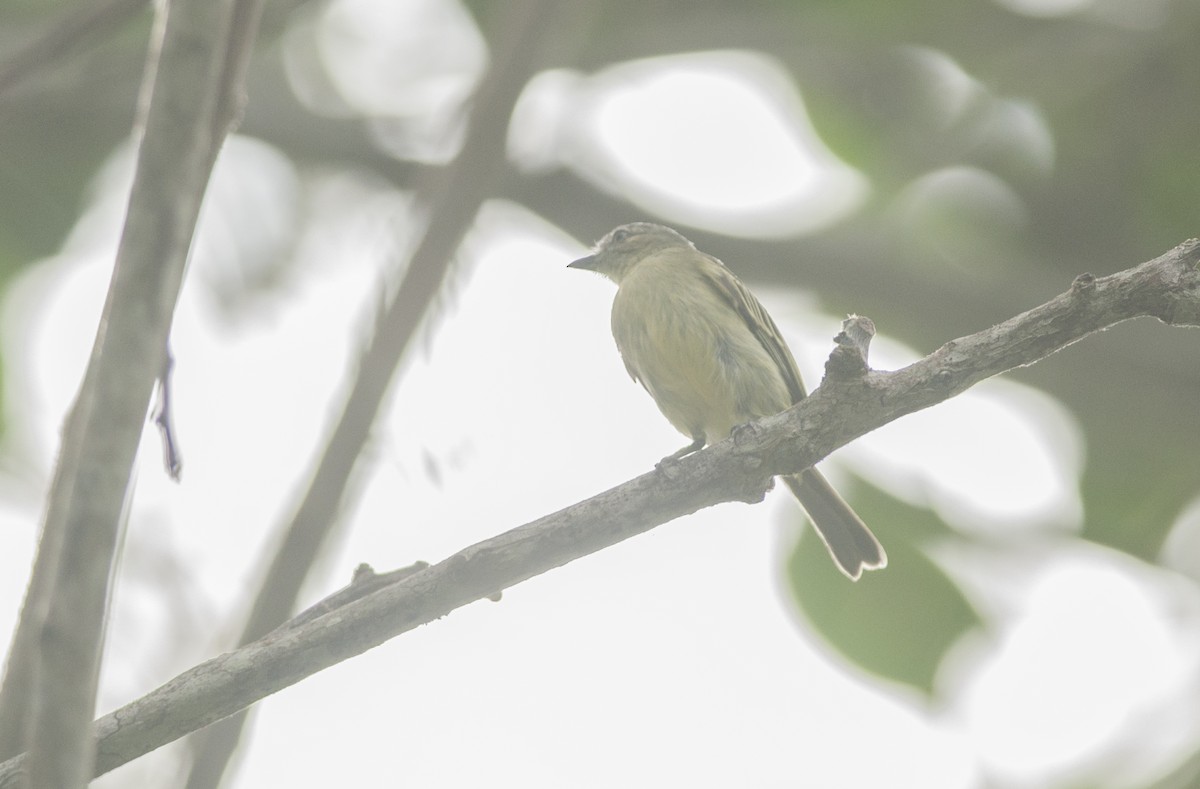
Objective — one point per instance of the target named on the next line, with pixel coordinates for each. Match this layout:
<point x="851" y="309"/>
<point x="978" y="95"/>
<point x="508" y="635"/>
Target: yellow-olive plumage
<point x="712" y="358"/>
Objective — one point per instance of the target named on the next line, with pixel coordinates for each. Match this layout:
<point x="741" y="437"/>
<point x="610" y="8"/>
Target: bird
<point x="706" y="350"/>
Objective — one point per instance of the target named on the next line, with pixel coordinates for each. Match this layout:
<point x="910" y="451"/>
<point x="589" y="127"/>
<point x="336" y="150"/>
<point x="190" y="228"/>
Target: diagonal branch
<point x="1166" y="288"/>
<point x="850" y="402"/>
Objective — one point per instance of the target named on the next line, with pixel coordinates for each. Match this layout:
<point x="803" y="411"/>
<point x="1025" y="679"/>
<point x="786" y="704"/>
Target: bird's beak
<point x="587" y="263"/>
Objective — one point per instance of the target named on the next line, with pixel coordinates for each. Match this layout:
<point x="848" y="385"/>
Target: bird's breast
<point x="694" y="354"/>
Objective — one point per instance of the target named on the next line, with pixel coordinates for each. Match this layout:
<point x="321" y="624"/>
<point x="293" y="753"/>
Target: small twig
<point x="364" y="582"/>
<point x="164" y="419"/>
<point x="853" y="342"/>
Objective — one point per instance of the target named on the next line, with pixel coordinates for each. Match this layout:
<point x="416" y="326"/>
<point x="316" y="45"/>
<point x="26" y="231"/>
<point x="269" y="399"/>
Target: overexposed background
<point x="695" y="655"/>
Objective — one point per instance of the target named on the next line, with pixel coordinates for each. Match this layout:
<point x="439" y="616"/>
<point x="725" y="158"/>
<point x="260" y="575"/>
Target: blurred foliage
<point x="57" y="124"/>
<point x="1085" y="123"/>
<point x="896" y="623"/>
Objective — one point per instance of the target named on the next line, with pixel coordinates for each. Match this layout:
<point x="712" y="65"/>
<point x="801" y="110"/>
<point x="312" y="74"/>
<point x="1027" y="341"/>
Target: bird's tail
<point x="848" y="539"/>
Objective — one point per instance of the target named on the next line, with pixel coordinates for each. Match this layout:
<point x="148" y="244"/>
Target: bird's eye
<point x="620" y="234"/>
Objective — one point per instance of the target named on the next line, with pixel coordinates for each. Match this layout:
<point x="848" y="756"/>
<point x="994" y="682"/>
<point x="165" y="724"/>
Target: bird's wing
<point x="743" y="302"/>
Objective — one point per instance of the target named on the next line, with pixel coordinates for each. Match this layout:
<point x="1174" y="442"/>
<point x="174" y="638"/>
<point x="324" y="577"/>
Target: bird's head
<point x="624" y="247"/>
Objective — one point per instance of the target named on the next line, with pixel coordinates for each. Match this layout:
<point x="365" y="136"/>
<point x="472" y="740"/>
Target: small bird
<point x="711" y="357"/>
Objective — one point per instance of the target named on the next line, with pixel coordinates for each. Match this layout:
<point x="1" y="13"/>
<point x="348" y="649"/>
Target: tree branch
<point x="1166" y="288"/>
<point x="48" y="697"/>
<point x="851" y="401"/>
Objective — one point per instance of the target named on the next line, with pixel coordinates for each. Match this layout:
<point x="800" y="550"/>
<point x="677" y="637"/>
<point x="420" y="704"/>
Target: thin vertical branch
<point x="60" y="635"/>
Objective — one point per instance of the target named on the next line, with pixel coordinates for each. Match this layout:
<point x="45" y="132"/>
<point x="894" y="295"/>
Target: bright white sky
<point x="674" y="659"/>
